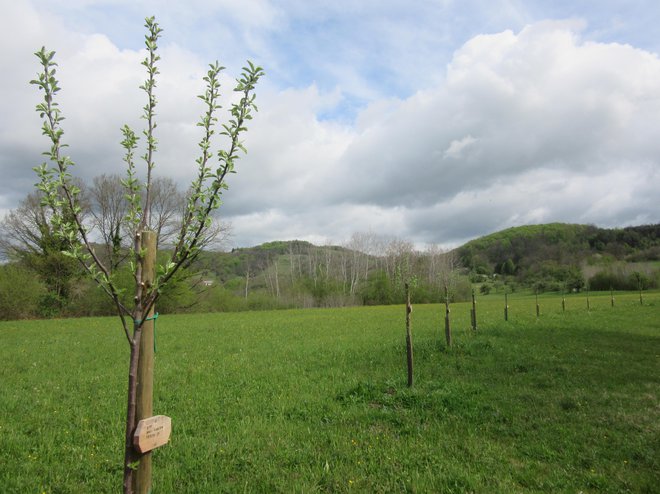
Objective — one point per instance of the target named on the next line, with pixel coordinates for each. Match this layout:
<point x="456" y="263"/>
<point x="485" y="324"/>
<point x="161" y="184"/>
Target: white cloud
<point x="529" y="126"/>
<point x="457" y="147"/>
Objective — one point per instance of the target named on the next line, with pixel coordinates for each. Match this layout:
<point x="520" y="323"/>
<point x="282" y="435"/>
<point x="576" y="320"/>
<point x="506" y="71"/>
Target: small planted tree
<point x="447" y="318"/>
<point x="62" y="197"/>
<point x="409" y="342"/>
<point x="448" y="279"/>
<point x="473" y="312"/>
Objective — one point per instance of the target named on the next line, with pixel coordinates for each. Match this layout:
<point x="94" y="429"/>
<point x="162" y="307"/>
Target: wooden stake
<point x="538" y="307"/>
<point x="506" y="306"/>
<point x="611" y="296"/>
<point x="145" y="372"/>
<point x="447" y="323"/>
<point x="473" y="312"/>
<point x="409" y="344"/>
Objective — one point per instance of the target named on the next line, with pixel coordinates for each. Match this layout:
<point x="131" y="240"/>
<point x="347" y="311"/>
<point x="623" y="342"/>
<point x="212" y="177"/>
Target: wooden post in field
<point x="538" y="308"/>
<point x="588" y="304"/>
<point x="409" y="344"/>
<point x="563" y="302"/>
<point x="145" y="372"/>
<point x="447" y="323"/>
<point x="506" y="305"/>
<point x="611" y="297"/>
<point x="473" y="312"/>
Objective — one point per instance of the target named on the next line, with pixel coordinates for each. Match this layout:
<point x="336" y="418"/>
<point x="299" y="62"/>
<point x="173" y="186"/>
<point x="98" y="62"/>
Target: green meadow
<point x="316" y="400"/>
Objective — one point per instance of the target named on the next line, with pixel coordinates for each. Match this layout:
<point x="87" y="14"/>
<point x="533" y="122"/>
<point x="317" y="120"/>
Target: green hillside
<point x="566" y="254"/>
<point x="370" y="270"/>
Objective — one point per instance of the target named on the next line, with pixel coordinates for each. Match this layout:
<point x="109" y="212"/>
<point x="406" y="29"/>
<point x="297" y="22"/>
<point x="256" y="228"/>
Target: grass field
<point x="316" y="401"/>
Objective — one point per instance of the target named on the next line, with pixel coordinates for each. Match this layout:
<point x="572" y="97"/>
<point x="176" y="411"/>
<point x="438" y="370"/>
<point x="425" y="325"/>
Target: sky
<point x="432" y="121"/>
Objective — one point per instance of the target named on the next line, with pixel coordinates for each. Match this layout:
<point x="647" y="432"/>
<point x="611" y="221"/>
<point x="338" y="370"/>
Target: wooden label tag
<point x="152" y="432"/>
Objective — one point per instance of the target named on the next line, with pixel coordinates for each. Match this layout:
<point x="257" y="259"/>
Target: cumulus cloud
<point x="537" y="125"/>
<point x="519" y="109"/>
<point x="538" y="99"/>
<point x="100" y="93"/>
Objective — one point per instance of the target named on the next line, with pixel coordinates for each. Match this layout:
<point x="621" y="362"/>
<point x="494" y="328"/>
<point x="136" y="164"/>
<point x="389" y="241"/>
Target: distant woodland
<point x="368" y="270"/>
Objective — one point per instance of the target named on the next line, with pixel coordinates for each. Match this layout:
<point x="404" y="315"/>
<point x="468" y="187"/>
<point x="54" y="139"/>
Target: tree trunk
<point x="277" y="279"/>
<point x="137" y="467"/>
<point x="247" y="281"/>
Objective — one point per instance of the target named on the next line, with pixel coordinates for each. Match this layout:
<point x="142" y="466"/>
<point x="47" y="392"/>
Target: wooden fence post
<point x="538" y="307"/>
<point x="588" y="304"/>
<point x="506" y="305"/>
<point x="409" y="344"/>
<point x="145" y="372"/>
<point x="447" y="321"/>
<point x="473" y="312"/>
<point x="563" y="302"/>
<point x="611" y="297"/>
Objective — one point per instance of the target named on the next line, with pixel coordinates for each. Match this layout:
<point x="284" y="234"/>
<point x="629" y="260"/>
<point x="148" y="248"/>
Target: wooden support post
<point x="538" y="307"/>
<point x="409" y="344"/>
<point x="145" y="372"/>
<point x="588" y="303"/>
<point x="611" y="297"/>
<point x="506" y="306"/>
<point x="563" y="302"/>
<point x="447" y="323"/>
<point x="473" y="312"/>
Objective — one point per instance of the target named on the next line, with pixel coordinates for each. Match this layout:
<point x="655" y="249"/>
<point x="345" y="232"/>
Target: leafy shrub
<point x="21" y="292"/>
<point x="621" y="280"/>
<point x="378" y="290"/>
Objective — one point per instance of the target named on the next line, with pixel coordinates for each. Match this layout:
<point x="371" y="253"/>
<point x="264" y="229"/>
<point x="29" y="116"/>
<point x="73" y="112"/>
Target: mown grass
<point x="316" y="400"/>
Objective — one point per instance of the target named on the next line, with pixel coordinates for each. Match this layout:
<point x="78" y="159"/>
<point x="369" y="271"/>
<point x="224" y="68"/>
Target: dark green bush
<point x="20" y="292"/>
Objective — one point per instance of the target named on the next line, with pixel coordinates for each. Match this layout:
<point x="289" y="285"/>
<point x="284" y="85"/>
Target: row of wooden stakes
<point x="473" y="319"/>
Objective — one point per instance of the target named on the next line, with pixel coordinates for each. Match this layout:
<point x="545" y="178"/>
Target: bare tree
<point x="400" y="254"/>
<point x="109" y="209"/>
<point x="447" y="270"/>
<point x="109" y="206"/>
<point x="434" y="258"/>
<point x="27" y="236"/>
<point x="359" y="246"/>
<point x="248" y="275"/>
<point x="168" y="208"/>
<point x="22" y="229"/>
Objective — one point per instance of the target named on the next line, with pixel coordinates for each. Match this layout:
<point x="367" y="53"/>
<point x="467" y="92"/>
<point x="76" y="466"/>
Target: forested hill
<point x="525" y="248"/>
<point x="369" y="269"/>
<point x="528" y="252"/>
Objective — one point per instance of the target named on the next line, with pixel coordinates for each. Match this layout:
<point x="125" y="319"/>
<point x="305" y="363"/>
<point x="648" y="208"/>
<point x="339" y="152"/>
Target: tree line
<point x="39" y="280"/>
<point x="368" y="269"/>
<point x="38" y="277"/>
<point x="566" y="257"/>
